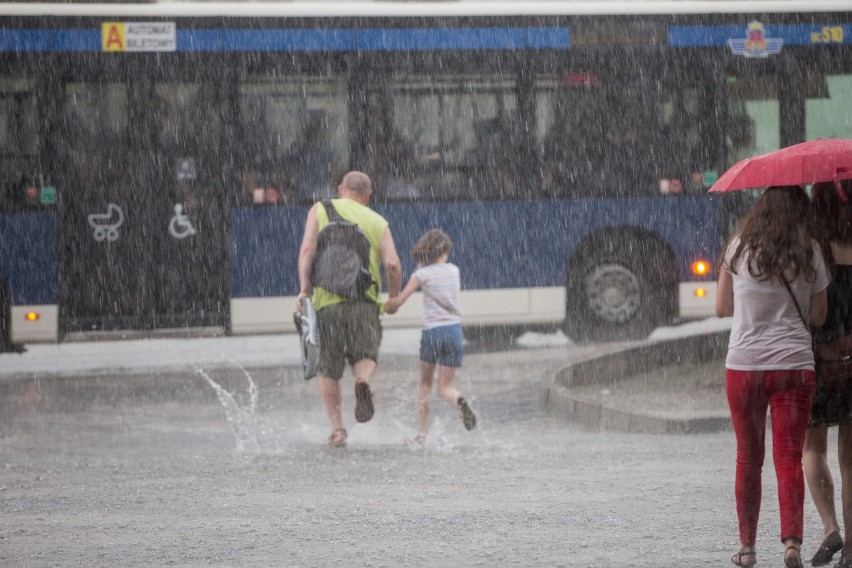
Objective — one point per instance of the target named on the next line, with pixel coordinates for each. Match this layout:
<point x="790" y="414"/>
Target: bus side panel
<point x="28" y="264"/>
<point x="687" y="224"/>
<point x="265" y="250"/>
<point x="502" y="248"/>
<point x="489" y="239"/>
<point x="489" y="244"/>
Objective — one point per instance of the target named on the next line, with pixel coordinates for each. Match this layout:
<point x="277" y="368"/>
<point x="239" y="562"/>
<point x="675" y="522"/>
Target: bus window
<point x="688" y="128"/>
<point x="297" y="135"/>
<point x="391" y="155"/>
<point x="603" y="134"/>
<point x="19" y="142"/>
<point x="830" y="116"/>
<point x="453" y="138"/>
<point x="96" y="123"/>
<point x="753" y="124"/>
<point x="186" y="136"/>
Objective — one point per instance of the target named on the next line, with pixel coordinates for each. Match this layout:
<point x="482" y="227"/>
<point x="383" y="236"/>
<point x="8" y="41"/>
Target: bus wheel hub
<point x="614" y="293"/>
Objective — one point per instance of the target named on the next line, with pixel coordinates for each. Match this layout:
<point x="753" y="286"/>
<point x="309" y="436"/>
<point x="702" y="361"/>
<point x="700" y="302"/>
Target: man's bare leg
<point x="364" y="370"/>
<point x="330" y="394"/>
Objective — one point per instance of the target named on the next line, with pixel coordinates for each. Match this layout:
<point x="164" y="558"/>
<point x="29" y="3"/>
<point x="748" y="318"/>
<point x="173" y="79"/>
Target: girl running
<point x="441" y="343"/>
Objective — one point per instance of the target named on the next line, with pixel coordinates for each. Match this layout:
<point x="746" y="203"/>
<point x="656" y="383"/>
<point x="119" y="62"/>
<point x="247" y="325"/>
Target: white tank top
<point x="767" y="332"/>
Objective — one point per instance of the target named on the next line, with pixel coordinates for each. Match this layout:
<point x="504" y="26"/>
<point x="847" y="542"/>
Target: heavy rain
<point x="163" y="167"/>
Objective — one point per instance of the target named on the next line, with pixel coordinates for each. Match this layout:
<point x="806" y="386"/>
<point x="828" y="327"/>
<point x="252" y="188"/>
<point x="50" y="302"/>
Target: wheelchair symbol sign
<point x="180" y="227"/>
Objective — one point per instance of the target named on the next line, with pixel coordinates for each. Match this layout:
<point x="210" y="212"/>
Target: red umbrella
<point x="810" y="162"/>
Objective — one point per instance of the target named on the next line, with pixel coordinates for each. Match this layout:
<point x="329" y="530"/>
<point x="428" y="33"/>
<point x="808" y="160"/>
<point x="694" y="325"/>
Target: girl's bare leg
<point x="445" y="385"/>
<point x="427" y="372"/>
<point x="451" y="395"/>
<point x="818" y="476"/>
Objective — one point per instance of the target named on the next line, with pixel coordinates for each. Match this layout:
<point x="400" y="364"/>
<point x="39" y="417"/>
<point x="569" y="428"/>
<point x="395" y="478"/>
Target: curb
<point x="623" y="365"/>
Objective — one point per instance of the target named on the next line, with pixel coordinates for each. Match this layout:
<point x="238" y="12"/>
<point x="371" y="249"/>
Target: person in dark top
<point x="832" y="406"/>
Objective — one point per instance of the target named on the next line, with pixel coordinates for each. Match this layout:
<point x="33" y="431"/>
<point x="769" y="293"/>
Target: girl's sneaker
<point x="466" y="414"/>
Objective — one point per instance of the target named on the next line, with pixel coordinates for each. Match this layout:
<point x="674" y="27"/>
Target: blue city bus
<point x="158" y="159"/>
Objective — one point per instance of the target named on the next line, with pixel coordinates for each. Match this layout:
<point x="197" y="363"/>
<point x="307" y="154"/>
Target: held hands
<point x="391" y="306"/>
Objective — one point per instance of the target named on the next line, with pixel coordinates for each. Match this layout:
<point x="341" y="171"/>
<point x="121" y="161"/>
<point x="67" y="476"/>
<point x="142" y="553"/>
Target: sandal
<point x="466" y="414"/>
<point x="737" y="558"/>
<point x="363" y="402"/>
<point x="793" y="561"/>
<point x="827" y="549"/>
<point x="337" y="438"/>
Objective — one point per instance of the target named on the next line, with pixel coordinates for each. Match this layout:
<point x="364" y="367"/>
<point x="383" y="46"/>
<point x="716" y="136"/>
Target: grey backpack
<point x="342" y="260"/>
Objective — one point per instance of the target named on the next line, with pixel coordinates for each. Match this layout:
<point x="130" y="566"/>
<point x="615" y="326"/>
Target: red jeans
<point x="789" y="395"/>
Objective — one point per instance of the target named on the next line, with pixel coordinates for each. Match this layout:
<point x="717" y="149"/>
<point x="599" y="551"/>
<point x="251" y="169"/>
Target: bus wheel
<point x="616" y="291"/>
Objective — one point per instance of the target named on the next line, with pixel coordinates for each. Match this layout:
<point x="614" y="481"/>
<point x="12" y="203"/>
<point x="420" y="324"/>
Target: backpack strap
<point x="332" y="213"/>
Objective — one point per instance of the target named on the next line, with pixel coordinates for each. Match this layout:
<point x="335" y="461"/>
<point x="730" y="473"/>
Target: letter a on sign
<point x="113" y="36"/>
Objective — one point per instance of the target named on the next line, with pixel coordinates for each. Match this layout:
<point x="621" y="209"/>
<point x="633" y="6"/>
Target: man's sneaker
<point x="363" y="402"/>
<point x="466" y="414"/>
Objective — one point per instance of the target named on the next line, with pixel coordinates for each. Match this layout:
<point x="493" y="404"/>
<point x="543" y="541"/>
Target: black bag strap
<point x="796" y="303"/>
<point x="333" y="215"/>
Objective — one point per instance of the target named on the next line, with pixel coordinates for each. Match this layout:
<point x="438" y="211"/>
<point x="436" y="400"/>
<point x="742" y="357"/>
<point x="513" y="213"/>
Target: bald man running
<point x="350" y="330"/>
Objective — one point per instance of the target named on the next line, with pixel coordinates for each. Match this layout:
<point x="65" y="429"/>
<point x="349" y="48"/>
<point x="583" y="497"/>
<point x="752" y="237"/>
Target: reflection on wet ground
<point x="158" y="470"/>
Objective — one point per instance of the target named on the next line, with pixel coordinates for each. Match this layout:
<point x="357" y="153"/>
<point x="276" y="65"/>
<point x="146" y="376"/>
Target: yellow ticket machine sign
<point x="138" y="36"/>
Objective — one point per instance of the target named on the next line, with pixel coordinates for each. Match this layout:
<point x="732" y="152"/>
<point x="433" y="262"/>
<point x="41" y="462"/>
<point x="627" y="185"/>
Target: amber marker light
<point x="700" y="292"/>
<point x="32" y="316"/>
<point x="700" y="268"/>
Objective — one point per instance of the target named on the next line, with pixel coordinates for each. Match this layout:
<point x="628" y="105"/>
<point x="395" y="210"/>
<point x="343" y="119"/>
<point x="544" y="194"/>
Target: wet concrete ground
<point x="157" y="470"/>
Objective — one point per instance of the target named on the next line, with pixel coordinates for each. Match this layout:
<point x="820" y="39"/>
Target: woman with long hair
<point x="772" y="280"/>
<point x="832" y="406"/>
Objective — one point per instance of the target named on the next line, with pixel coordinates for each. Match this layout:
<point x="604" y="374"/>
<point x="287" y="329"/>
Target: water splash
<point x="243" y="420"/>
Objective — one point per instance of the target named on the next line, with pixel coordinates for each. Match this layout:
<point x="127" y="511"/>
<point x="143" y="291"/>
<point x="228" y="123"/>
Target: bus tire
<point x="619" y="286"/>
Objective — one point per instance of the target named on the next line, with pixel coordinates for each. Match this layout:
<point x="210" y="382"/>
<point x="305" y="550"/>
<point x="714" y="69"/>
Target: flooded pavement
<point x="164" y="469"/>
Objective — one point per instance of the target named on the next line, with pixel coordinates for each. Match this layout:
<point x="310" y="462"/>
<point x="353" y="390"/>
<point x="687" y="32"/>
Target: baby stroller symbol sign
<point x="106" y="225"/>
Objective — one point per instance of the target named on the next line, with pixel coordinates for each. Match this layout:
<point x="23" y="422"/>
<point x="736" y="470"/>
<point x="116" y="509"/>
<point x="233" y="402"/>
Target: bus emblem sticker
<point x="756" y="43"/>
<point x="105" y="225"/>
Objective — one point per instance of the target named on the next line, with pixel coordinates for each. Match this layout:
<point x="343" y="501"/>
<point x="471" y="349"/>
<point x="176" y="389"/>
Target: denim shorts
<point x="442" y="345"/>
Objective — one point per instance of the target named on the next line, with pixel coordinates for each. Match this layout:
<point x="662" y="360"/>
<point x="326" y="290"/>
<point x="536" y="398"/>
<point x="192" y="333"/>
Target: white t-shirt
<point x="441" y="285"/>
<point x="767" y="332"/>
